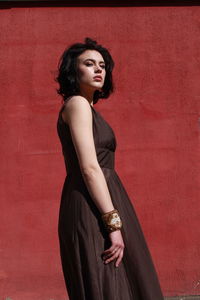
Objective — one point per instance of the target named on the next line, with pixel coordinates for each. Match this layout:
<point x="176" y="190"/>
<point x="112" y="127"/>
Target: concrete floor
<point x="183" y="298"/>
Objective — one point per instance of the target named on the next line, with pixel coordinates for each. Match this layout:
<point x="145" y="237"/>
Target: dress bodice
<point x="104" y="140"/>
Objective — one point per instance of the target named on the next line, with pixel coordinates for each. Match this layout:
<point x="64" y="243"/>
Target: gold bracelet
<point x="112" y="220"/>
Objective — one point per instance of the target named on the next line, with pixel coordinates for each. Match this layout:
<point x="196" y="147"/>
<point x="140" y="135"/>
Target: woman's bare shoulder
<point x="75" y="100"/>
<point x="74" y="104"/>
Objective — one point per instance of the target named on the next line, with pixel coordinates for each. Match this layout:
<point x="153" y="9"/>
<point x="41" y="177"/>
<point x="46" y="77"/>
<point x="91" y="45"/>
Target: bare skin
<point x="78" y="115"/>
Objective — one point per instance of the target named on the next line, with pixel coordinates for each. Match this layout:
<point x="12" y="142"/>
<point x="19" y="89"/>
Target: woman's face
<point x="91" y="64"/>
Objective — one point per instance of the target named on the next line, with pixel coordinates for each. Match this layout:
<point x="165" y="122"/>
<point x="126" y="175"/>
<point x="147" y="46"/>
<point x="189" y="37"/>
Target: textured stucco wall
<point x="154" y="113"/>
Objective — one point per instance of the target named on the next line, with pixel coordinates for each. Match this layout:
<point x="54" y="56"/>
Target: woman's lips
<point x="98" y="78"/>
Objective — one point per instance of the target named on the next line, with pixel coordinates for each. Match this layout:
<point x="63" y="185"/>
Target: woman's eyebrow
<point x="93" y="60"/>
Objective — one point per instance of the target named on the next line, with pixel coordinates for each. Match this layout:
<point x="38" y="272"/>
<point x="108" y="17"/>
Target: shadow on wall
<point x="98" y="3"/>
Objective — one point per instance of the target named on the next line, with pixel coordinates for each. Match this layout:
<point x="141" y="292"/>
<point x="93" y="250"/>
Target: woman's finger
<point x="114" y="256"/>
<point x="119" y="258"/>
<point x="108" y="251"/>
<point x="105" y="256"/>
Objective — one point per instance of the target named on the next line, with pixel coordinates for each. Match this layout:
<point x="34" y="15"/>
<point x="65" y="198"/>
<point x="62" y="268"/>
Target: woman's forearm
<point x="98" y="189"/>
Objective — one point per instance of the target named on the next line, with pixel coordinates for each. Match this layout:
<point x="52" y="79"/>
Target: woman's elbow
<point x="90" y="170"/>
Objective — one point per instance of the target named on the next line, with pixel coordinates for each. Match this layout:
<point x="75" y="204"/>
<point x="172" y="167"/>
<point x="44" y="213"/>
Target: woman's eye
<point x="91" y="64"/>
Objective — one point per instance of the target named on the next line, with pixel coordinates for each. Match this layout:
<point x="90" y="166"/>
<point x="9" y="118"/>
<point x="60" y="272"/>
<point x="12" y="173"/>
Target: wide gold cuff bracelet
<point x="112" y="220"/>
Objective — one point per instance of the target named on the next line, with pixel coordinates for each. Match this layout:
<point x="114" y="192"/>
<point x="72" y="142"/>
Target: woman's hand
<point x="116" y="249"/>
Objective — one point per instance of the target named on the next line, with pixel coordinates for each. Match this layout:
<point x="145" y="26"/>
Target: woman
<point x="103" y="250"/>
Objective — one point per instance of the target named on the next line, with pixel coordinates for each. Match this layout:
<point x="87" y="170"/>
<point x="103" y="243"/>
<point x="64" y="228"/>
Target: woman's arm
<point x="78" y="115"/>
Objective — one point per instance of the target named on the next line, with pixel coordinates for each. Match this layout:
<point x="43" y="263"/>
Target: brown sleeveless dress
<point x="82" y="235"/>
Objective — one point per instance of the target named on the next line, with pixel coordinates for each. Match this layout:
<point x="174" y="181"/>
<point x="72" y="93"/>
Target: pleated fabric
<point x="83" y="238"/>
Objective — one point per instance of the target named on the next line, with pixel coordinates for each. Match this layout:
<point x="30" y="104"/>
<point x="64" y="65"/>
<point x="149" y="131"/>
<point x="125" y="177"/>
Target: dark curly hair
<point x="67" y="70"/>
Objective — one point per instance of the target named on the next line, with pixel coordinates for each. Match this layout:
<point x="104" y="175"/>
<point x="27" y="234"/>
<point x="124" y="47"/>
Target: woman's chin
<point x="98" y="88"/>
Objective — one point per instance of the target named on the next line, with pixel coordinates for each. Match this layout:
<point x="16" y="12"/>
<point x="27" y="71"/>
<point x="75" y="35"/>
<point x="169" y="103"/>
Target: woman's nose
<point x="97" y="68"/>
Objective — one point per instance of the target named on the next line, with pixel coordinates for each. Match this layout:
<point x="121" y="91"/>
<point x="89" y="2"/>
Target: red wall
<point x="155" y="117"/>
